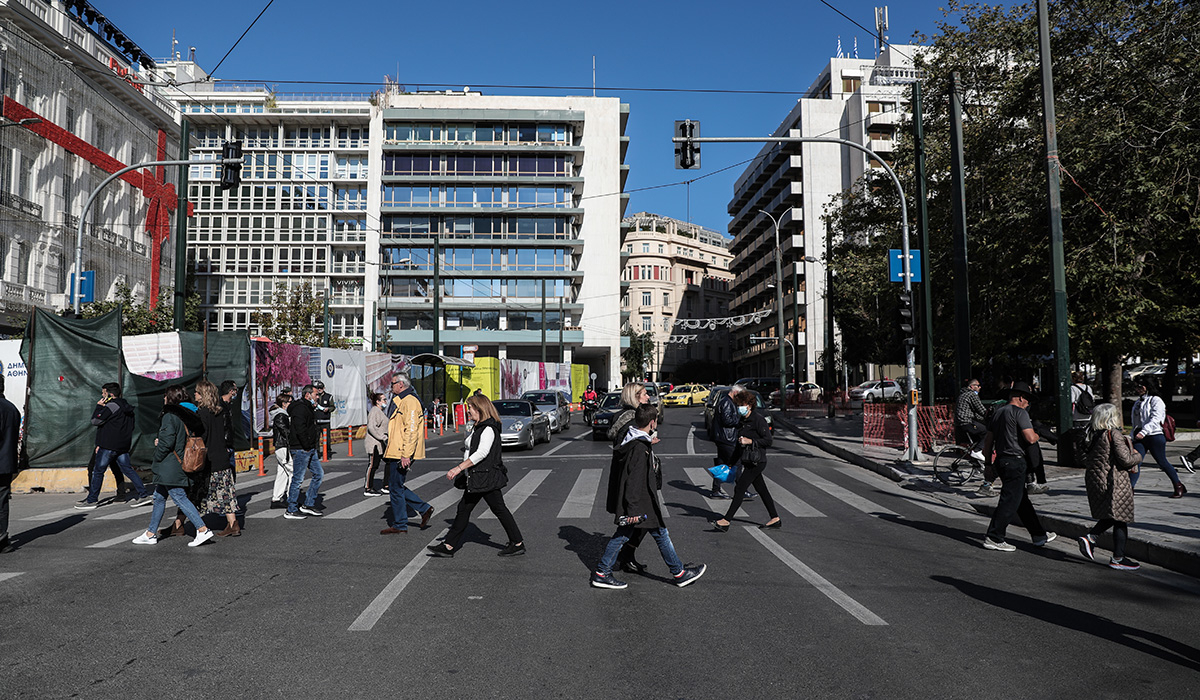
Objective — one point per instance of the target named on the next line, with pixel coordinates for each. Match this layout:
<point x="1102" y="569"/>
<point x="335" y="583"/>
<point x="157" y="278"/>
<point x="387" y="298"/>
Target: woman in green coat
<point x="178" y="418"/>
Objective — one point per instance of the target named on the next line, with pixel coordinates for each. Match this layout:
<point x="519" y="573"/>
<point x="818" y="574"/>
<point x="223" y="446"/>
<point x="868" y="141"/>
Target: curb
<point x="866" y="463"/>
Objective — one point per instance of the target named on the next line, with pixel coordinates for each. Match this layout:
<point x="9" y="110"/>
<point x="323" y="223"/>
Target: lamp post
<point x="830" y="379"/>
<point x="779" y="310"/>
<point x="24" y="122"/>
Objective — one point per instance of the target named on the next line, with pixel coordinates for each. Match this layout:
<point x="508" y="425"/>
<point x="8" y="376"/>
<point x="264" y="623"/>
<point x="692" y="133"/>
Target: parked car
<point x="610" y="408"/>
<point x="521" y="423"/>
<point x="686" y="395"/>
<point x="763" y="385"/>
<point x="554" y="405"/>
<point x="710" y="408"/>
<point x="808" y="392"/>
<point x="652" y="391"/>
<point x="876" y="391"/>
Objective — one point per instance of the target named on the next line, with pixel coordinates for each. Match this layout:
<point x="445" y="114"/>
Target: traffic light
<point x="231" y="173"/>
<point x="906" y="319"/>
<point x="687" y="154"/>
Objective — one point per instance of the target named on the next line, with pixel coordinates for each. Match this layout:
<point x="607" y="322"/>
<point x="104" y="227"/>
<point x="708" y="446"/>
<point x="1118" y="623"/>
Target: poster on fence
<point x="14" y="373"/>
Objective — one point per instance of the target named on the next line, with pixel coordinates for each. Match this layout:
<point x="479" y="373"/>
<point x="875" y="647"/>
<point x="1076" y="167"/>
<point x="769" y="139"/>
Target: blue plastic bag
<point x="723" y="473"/>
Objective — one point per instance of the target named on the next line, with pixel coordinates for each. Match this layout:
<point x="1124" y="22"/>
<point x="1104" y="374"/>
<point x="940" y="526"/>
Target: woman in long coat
<point x="1109" y="460"/>
<point x="178" y="418"/>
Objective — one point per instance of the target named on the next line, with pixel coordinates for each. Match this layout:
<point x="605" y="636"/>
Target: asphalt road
<point x="868" y="591"/>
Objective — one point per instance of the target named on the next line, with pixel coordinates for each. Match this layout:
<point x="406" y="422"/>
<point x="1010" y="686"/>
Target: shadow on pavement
<point x="588" y="546"/>
<point x="21" y="539"/>
<point x="1150" y="643"/>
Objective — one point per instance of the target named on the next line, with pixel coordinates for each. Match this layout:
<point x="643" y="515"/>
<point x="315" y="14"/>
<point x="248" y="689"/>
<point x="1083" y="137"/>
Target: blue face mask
<point x="743" y="410"/>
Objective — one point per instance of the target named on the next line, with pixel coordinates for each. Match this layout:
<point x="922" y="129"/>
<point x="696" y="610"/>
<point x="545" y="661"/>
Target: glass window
<point x="646" y="299"/>
<point x="645" y="323"/>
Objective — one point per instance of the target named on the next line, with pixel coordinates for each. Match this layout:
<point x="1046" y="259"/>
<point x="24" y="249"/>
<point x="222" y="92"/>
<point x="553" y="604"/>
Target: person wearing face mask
<point x="754" y="437"/>
<point x="969" y="415"/>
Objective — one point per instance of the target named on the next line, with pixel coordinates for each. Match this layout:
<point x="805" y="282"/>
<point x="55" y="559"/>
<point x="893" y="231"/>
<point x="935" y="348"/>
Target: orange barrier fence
<point x="886" y="425"/>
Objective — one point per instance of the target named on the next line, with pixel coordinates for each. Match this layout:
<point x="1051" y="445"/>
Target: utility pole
<point x="562" y="353"/>
<point x="962" y="298"/>
<point x="437" y="294"/>
<point x="928" y="395"/>
<point x="1062" y="345"/>
<point x="181" y="230"/>
<point x="543" y="323"/>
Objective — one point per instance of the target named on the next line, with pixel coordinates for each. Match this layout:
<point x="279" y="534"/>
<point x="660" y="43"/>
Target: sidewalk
<point x="1166" y="531"/>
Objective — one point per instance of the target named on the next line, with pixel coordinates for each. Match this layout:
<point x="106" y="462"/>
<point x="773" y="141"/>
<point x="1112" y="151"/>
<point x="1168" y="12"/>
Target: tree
<point x="297" y="316"/>
<point x="136" y="316"/>
<point x="639" y="353"/>
<point x="1125" y="74"/>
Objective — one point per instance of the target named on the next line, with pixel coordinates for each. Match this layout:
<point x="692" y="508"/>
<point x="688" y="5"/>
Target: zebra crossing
<point x="581" y="494"/>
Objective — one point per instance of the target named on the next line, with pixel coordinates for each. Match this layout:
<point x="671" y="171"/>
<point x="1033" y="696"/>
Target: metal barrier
<point x="886" y="425"/>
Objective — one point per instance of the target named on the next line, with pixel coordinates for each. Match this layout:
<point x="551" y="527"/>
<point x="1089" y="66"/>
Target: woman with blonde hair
<point x="219" y="496"/>
<point x="1109" y="460"/>
<point x="485" y="475"/>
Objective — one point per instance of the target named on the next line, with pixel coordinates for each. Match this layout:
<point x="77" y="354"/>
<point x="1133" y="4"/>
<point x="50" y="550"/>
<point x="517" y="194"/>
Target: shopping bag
<point x="723" y="473"/>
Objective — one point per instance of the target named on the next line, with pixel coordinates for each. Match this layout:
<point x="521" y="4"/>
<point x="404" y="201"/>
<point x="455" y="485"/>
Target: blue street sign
<point x="87" y="292"/>
<point x="896" y="265"/>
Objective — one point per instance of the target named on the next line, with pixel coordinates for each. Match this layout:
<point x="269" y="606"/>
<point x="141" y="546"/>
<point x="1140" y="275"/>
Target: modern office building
<point x="860" y="100"/>
<point x="676" y="271"/>
<point x="447" y="222"/>
<point x="74" y="112"/>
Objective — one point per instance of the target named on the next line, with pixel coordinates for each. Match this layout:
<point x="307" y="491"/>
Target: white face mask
<point x="743" y="410"/>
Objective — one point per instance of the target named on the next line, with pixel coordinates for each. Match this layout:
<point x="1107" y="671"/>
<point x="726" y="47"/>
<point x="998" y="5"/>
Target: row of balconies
<point x="775" y="173"/>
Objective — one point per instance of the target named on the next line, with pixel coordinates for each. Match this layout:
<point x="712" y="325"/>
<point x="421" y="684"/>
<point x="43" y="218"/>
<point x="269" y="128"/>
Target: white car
<point x="553" y="404"/>
<point x="876" y="391"/>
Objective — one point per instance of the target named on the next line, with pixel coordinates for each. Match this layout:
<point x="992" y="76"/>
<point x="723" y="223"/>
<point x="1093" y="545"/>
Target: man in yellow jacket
<point x="406" y="444"/>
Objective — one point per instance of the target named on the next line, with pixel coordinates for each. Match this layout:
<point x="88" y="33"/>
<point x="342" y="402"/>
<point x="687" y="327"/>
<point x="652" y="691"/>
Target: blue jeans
<point x="304" y="461"/>
<point x="1157" y="445"/>
<point x="100" y="466"/>
<point x="661" y="537"/>
<point x="178" y="495"/>
<point x="401" y="496"/>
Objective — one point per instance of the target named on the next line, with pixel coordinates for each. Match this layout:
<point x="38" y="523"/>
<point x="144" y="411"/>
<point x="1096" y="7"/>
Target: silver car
<point x="521" y="423"/>
<point x="553" y="404"/>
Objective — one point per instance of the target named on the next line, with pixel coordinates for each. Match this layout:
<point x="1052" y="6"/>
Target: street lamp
<point x="24" y="122"/>
<point x="779" y="310"/>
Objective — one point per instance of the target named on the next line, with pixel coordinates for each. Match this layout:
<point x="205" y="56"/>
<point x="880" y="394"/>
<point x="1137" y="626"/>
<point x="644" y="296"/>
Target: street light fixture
<point x="24" y="122"/>
<point x="779" y="309"/>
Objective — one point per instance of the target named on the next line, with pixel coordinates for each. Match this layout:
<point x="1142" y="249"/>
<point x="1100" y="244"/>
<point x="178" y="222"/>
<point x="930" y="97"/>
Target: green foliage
<point x="639" y="354"/>
<point x="298" y="317"/>
<point x="137" y="318"/>
<point x="1125" y="75"/>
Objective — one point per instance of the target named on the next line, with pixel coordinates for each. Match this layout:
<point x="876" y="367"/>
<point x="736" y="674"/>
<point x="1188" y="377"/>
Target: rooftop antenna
<point x="593" y="75"/>
<point x="881" y="27"/>
<point x="174" y="43"/>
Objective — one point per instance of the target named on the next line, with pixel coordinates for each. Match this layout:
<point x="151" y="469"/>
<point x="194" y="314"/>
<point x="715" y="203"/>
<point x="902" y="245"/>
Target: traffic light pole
<point x="912" y="452"/>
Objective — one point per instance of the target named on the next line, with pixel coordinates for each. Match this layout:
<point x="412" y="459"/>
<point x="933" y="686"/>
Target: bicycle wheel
<point x="952" y="465"/>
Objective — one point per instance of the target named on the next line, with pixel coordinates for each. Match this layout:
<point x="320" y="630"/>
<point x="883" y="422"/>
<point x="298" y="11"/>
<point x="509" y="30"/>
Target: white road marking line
<point x="368" y="617"/>
<point x="831" y="591"/>
<point x="13" y="574"/>
<point x="331" y="493"/>
<point x="703" y="479"/>
<point x="845" y="495"/>
<point x="116" y="540"/>
<point x="134" y="512"/>
<point x="56" y="514"/>
<point x="791" y="503"/>
<point x="912" y="497"/>
<point x="691" y="436"/>
<point x="445" y="500"/>
<point x="566" y="442"/>
<point x="370" y="503"/>
<point x="583" y="495"/>
<point x="519" y="492"/>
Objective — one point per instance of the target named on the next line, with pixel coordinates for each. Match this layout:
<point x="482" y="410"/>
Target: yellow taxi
<point x="686" y="395"/>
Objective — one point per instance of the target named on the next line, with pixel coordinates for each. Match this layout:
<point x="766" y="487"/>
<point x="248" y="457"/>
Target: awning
<point x="430" y="359"/>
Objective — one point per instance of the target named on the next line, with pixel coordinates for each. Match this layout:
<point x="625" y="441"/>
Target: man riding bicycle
<point x="969" y="415"/>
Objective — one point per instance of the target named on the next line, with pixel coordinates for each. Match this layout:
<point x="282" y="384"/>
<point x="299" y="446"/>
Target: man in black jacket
<point x="636" y="505"/>
<point x="114" y="423"/>
<point x="324" y="407"/>
<point x="303" y="445"/>
<point x="725" y="423"/>
<point x="10" y="426"/>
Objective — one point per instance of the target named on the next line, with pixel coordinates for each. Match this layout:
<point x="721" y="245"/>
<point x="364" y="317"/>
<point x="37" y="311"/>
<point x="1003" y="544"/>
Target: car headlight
<point x="601" y="421"/>
<point x="516" y="426"/>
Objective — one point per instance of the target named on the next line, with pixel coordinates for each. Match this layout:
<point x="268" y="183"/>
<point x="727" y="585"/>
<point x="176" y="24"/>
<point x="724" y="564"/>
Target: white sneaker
<point x="145" y="538"/>
<point x="1187" y="464"/>
<point x="998" y="546"/>
<point x="1041" y="541"/>
<point x="1035" y="488"/>
<point x="976" y="454"/>
<point x="986" y="489"/>
<point x="202" y="537"/>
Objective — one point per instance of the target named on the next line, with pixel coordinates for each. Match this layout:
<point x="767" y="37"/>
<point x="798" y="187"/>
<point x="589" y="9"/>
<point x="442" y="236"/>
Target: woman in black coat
<point x="754" y="437"/>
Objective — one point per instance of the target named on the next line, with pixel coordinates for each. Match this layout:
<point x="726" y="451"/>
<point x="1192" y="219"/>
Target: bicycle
<point x="953" y="464"/>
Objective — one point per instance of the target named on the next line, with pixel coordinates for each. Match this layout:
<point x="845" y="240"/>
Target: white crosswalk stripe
<point x="444" y="500"/>
<point x="127" y="537"/>
<point x="703" y="479"/>
<point x="583" y="495"/>
<point x="57" y="514"/>
<point x="370" y="503"/>
<point x="331" y="493"/>
<point x="11" y="574"/>
<point x="128" y="513"/>
<point x="844" y="495"/>
<point x="791" y="503"/>
<point x="519" y="492"/>
<point x="875" y="481"/>
<point x="568" y="441"/>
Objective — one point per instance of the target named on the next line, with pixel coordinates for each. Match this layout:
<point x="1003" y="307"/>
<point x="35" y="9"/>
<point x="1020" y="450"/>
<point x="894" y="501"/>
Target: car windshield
<point x="651" y="390"/>
<point x="540" y="397"/>
<point x="866" y="385"/>
<point x="611" y="401"/>
<point x="513" y="408"/>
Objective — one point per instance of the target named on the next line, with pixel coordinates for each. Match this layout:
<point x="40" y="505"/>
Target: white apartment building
<point x="860" y="100"/>
<point x="74" y="112"/>
<point x="676" y="270"/>
<point x="512" y="203"/>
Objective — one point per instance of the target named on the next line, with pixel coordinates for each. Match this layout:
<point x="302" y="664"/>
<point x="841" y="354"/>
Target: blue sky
<point x="749" y="45"/>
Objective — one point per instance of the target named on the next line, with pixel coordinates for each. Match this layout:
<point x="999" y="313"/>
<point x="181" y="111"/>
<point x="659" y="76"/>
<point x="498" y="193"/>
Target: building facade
<point x="860" y="100"/>
<point x="676" y="271"/>
<point x="75" y="111"/>
<point x="450" y="222"/>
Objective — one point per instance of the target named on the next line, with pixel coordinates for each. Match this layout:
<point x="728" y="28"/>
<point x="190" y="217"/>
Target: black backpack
<point x="1085" y="404"/>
